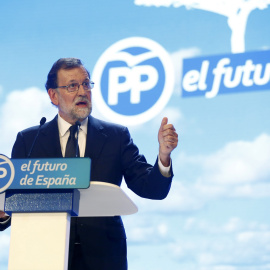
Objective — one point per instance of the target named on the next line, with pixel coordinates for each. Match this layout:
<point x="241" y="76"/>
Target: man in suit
<point x="96" y="243"/>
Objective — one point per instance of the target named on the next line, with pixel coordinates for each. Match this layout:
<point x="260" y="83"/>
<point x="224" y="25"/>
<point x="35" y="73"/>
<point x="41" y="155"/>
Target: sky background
<point x="216" y="214"/>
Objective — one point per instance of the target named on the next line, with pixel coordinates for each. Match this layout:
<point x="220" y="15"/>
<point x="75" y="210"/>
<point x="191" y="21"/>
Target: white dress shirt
<point x="64" y="126"/>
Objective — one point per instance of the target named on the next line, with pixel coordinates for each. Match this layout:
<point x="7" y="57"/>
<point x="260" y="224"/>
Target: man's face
<point x="72" y="106"/>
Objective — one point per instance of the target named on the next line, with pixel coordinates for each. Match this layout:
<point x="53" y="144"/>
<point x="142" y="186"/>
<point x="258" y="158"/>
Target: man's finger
<point x="169" y="131"/>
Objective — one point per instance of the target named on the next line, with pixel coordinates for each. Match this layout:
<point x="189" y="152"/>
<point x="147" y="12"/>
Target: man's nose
<point x="82" y="91"/>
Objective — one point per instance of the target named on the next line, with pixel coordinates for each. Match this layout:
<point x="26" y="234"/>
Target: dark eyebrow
<point x="74" y="81"/>
<point x="71" y="81"/>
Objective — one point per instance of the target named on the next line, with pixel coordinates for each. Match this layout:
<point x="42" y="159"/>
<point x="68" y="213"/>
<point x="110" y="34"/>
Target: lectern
<point x="41" y="195"/>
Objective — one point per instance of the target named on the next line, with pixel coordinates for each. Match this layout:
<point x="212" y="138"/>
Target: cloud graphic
<point x="20" y="110"/>
<point x="239" y="162"/>
<point x="239" y="170"/>
<point x="239" y="243"/>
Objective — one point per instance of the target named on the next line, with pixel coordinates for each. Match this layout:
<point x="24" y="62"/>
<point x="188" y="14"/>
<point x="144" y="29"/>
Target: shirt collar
<point x="64" y="126"/>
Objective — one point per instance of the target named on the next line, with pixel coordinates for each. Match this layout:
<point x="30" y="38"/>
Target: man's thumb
<point x="164" y="122"/>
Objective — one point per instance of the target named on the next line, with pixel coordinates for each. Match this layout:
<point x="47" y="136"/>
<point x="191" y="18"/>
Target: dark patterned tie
<point x="72" y="143"/>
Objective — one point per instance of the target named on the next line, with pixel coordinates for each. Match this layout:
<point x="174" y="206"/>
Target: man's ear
<point x="53" y="96"/>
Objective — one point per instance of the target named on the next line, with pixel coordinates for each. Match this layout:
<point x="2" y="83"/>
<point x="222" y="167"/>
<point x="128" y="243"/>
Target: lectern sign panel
<point x="53" y="173"/>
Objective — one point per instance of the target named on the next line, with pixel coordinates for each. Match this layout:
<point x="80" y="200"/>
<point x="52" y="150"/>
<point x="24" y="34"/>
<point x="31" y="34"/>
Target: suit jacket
<point x="114" y="156"/>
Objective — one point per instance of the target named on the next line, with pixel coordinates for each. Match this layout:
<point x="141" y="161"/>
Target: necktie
<point x="72" y="143"/>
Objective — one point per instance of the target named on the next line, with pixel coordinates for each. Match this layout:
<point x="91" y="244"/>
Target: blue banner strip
<point x="224" y="74"/>
<point x="55" y="173"/>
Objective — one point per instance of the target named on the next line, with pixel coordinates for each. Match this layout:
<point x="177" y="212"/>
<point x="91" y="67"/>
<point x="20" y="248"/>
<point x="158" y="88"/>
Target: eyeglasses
<point x="73" y="87"/>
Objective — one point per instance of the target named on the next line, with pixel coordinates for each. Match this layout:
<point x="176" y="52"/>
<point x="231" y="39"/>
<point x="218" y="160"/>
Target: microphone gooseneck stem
<point x="41" y="123"/>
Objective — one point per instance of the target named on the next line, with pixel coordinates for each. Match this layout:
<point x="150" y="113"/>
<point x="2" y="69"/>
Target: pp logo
<point x="7" y="173"/>
<point x="134" y="80"/>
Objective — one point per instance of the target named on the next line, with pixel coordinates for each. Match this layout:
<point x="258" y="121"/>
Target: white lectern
<point x="41" y="220"/>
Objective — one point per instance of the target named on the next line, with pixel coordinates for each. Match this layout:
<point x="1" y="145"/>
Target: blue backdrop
<point x="151" y="59"/>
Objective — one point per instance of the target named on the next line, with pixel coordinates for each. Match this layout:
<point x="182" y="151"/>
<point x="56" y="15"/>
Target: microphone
<point x="78" y="124"/>
<point x="41" y="123"/>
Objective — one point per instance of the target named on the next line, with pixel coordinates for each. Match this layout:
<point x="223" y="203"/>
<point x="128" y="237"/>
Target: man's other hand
<point x="3" y="216"/>
<point x="168" y="140"/>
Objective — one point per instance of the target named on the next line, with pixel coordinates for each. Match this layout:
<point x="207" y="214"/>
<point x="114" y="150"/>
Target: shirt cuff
<point x="165" y="171"/>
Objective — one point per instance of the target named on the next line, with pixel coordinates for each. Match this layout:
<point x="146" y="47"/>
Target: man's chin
<point x="82" y="113"/>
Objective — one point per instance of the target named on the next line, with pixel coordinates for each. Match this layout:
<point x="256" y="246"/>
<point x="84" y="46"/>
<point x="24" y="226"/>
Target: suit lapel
<point x="50" y="139"/>
<point x="50" y="142"/>
<point x="96" y="137"/>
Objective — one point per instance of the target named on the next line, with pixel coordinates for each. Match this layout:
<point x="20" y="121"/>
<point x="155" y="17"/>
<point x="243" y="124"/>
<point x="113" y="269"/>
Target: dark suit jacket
<point x="113" y="156"/>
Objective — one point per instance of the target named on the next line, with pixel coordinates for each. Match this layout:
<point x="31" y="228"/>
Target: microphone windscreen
<point x="42" y="121"/>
